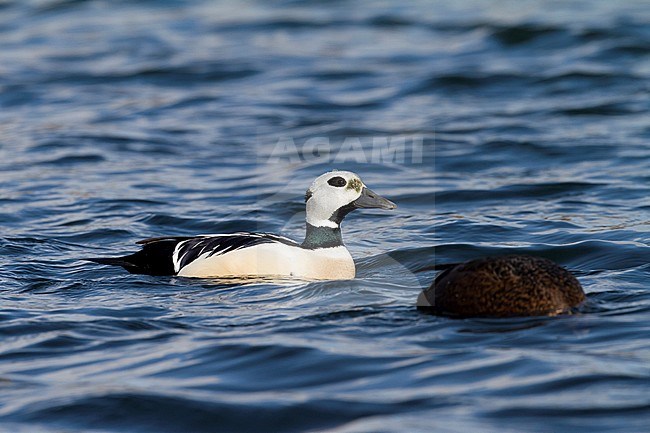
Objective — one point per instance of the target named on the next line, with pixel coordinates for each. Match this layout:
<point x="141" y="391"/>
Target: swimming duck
<point x="514" y="285"/>
<point x="321" y="255"/>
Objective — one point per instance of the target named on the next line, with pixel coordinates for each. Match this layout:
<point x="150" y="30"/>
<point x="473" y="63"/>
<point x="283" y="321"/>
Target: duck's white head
<point x="335" y="194"/>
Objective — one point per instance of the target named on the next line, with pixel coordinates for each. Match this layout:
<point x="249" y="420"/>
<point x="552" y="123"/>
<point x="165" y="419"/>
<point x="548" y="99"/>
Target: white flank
<point x="274" y="259"/>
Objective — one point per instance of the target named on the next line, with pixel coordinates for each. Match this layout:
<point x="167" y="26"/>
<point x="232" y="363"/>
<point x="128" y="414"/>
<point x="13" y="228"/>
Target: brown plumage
<point x="503" y="286"/>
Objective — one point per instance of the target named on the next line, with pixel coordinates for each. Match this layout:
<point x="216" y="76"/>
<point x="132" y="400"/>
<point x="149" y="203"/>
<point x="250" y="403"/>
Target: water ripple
<point x="496" y="129"/>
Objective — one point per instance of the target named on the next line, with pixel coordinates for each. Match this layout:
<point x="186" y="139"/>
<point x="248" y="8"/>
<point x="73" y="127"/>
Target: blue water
<point x="496" y="127"/>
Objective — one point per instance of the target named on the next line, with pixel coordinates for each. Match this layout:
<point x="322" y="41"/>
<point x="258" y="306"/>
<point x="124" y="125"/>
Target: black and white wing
<point x="168" y="255"/>
<point x="213" y="245"/>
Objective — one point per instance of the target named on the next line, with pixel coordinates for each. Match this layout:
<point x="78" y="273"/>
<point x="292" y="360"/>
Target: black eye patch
<point x="337" y="181"/>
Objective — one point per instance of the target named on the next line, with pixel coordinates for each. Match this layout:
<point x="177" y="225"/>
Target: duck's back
<point x="236" y="255"/>
<point x="504" y="286"/>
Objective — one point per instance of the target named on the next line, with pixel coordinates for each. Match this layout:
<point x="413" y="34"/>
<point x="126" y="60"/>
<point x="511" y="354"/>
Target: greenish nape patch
<point x="355" y="184"/>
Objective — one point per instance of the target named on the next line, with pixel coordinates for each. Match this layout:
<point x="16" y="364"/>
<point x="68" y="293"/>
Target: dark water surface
<point x="495" y="126"/>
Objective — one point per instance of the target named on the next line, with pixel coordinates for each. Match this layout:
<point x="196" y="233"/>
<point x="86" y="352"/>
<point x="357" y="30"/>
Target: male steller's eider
<point x="322" y="254"/>
<point x="514" y="285"/>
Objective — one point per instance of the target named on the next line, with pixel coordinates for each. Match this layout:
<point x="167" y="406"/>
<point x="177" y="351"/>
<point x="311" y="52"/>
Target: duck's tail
<point x="155" y="258"/>
<point x="116" y="261"/>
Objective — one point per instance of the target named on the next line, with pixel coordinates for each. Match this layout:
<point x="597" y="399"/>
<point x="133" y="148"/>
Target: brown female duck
<point x="514" y="285"/>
